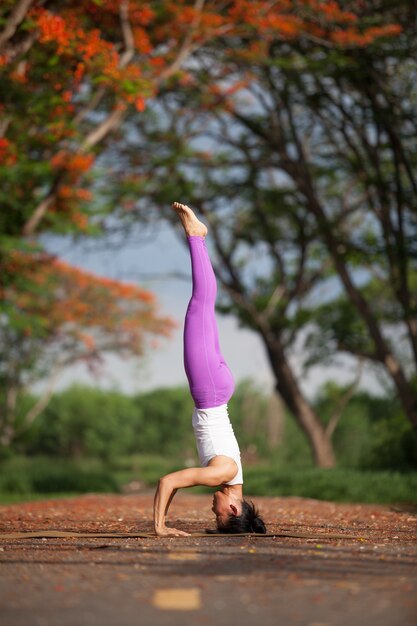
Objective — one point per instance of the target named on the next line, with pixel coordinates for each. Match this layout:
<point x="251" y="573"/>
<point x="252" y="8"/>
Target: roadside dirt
<point x="366" y="575"/>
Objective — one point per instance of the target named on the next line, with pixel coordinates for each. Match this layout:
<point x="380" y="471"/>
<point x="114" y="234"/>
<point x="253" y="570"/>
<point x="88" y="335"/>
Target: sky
<point x="150" y="258"/>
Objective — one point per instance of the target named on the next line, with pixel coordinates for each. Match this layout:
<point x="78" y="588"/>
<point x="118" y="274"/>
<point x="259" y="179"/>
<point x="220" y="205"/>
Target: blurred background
<point x="290" y="127"/>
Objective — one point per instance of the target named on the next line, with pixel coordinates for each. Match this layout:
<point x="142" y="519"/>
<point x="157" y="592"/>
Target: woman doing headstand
<point x="211" y="386"/>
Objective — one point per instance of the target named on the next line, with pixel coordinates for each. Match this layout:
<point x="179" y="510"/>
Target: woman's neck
<point x="234" y="491"/>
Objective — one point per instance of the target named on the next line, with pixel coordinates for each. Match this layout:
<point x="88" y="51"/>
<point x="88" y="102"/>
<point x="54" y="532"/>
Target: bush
<point x="83" y="422"/>
<point x="46" y="475"/>
<point x="373" y="432"/>
<point x="52" y="476"/>
<point x="337" y="485"/>
<point x="165" y="423"/>
<point x="394" y="443"/>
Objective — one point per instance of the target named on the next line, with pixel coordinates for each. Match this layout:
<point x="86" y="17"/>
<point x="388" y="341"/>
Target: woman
<point x="211" y="386"/>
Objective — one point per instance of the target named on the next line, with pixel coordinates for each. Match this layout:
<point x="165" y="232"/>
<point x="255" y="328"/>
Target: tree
<point x="252" y="150"/>
<point x="239" y="49"/>
<point x="69" y="74"/>
<point x="72" y="73"/>
<point x="54" y="315"/>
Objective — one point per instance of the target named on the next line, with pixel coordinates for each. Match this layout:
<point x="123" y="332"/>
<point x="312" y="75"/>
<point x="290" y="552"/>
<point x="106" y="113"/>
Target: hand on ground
<point x="171" y="532"/>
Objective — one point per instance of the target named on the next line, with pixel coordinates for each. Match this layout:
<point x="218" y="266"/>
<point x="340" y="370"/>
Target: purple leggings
<point x="211" y="382"/>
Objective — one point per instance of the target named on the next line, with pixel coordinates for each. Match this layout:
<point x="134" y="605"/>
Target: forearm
<point x="163" y="498"/>
<point x="168" y="486"/>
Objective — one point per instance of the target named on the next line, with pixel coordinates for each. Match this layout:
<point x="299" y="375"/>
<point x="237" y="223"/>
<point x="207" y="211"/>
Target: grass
<point x="45" y="475"/>
<point x="335" y="485"/>
<point x="24" y="478"/>
<point x="147" y="468"/>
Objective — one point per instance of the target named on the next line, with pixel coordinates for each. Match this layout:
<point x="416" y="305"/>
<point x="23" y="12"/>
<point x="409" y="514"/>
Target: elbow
<point x="164" y="483"/>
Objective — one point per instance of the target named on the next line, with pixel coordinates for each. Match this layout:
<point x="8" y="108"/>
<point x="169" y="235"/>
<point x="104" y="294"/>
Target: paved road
<point x="370" y="579"/>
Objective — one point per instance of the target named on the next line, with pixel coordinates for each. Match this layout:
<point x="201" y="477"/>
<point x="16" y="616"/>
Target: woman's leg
<point x="211" y="382"/>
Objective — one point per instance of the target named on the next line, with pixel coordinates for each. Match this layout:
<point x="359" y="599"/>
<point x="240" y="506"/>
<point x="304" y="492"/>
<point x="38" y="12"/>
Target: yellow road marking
<point x="177" y="599"/>
<point x="183" y="556"/>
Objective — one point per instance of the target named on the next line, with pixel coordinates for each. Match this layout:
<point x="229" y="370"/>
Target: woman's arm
<point x="168" y="486"/>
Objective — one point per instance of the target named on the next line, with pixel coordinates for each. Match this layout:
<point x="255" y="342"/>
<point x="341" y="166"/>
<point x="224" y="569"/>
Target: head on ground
<point x="236" y="516"/>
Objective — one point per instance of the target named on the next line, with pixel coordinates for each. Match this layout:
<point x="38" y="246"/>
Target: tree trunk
<point x="286" y="383"/>
<point x="385" y="356"/>
<point x="17" y="15"/>
<point x="301" y="175"/>
<point x="287" y="386"/>
<point x="7" y="426"/>
<point x="275" y="421"/>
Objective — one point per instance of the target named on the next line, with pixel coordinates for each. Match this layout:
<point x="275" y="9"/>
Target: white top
<point x="214" y="436"/>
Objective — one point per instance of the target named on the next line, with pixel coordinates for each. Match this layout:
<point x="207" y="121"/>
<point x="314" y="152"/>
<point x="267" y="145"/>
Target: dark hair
<point x="247" y="522"/>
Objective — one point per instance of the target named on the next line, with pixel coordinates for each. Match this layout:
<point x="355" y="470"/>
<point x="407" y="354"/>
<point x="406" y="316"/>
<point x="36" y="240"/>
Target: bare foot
<point x="192" y="226"/>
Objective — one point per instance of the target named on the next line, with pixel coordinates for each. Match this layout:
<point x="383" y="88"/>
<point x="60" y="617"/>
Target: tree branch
<point x="11" y="52"/>
<point x="114" y="119"/>
<point x="16" y="17"/>
<point x="42" y="402"/>
<point x="128" y="38"/>
<point x="343" y="402"/>
<point x="187" y="47"/>
<point x="39" y="213"/>
<point x="125" y="59"/>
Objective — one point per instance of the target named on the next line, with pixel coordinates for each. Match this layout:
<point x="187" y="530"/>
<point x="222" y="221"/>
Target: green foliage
<point x="338" y="485"/>
<point x="87" y="422"/>
<point x="373" y="432"/>
<point x="303" y="165"/>
<point x="83" y="422"/>
<point x="336" y="323"/>
<point x="26" y="476"/>
<point x="294" y="451"/>
<point x="92" y="440"/>
<point x="49" y="475"/>
<point x="21" y="478"/>
<point x="247" y="411"/>
<point x="394" y="442"/>
<point x="164" y="425"/>
<point x="145" y="468"/>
